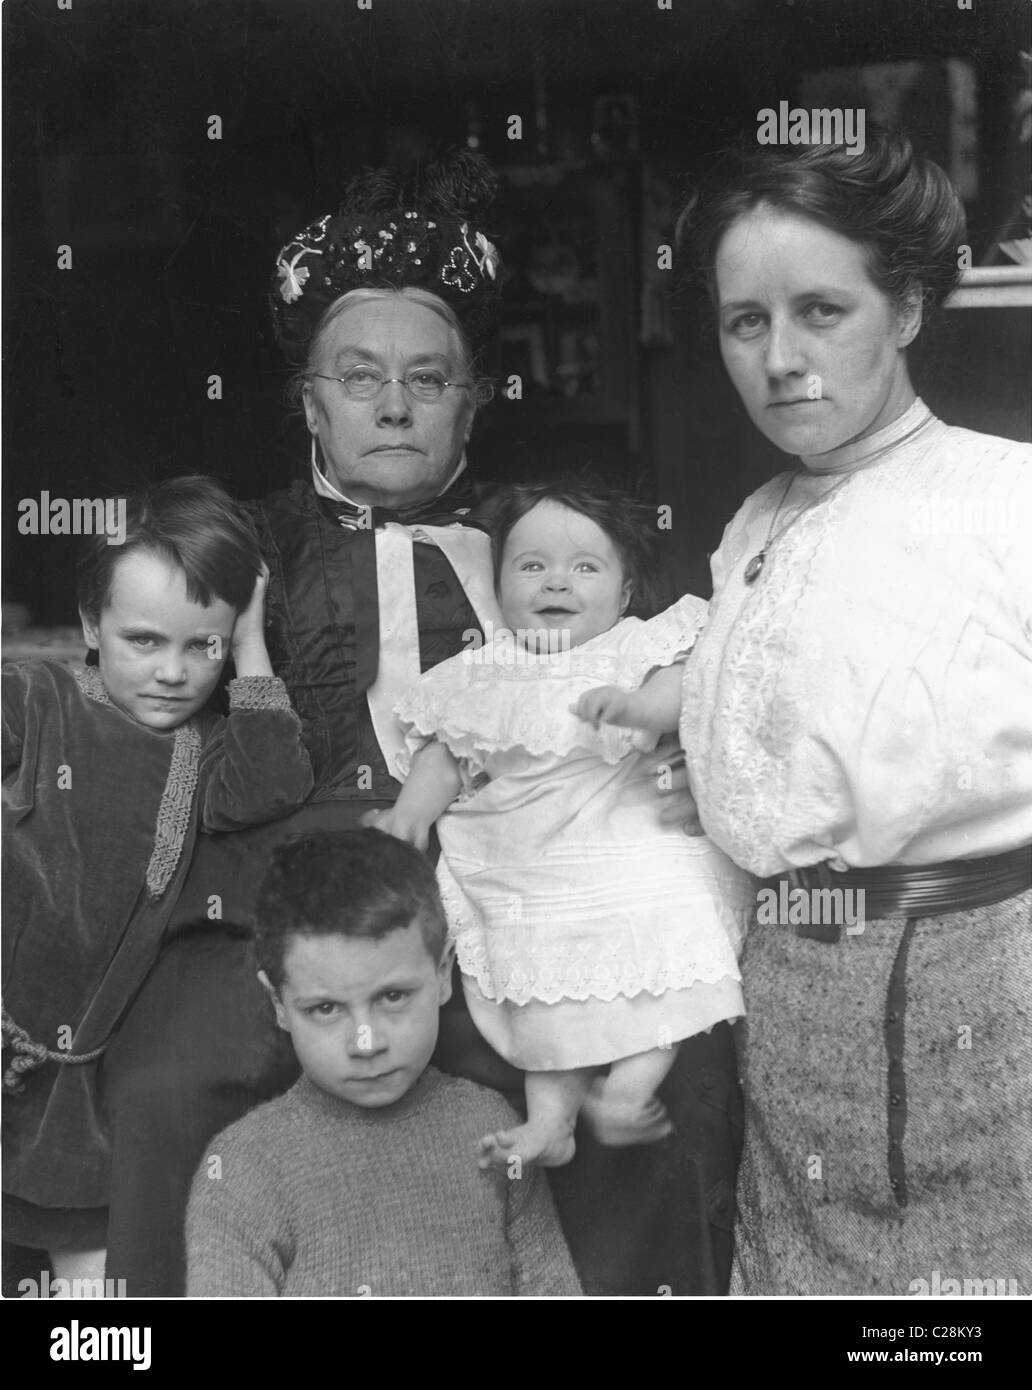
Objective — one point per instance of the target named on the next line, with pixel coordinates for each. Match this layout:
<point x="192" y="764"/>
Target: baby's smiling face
<point x="561" y="572"/>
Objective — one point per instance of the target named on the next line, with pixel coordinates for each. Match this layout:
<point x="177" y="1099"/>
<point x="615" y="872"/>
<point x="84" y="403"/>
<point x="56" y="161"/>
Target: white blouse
<point x="868" y="699"/>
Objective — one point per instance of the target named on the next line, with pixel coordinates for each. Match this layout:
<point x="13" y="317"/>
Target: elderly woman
<point x="858" y="717"/>
<point x="377" y="572"/>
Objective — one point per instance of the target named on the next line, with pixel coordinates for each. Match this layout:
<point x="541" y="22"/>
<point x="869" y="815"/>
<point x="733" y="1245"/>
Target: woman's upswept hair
<point x="900" y="207"/>
<point x="194" y="524"/>
<point x="629" y="524"/>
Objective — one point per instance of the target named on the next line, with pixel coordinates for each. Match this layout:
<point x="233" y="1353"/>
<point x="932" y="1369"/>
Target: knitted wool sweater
<point x="314" y="1196"/>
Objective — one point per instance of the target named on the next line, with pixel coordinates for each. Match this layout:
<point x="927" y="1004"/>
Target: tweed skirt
<point x="888" y="1088"/>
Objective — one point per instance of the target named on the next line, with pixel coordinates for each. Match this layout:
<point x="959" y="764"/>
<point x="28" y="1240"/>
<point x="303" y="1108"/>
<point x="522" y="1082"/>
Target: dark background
<point x="174" y="235"/>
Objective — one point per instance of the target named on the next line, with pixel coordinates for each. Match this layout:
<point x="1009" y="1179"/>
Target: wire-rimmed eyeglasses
<point x="363" y="383"/>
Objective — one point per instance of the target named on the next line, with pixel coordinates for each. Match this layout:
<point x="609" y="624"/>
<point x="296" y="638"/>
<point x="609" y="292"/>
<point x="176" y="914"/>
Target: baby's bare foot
<point x="619" y="1122"/>
<point x="530" y="1143"/>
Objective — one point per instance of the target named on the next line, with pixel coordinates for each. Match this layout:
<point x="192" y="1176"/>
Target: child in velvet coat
<point x="109" y="773"/>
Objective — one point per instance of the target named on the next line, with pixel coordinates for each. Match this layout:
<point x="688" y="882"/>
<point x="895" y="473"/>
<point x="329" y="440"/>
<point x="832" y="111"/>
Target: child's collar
<point x="89" y="681"/>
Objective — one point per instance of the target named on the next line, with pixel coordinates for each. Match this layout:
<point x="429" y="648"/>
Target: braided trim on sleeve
<point x="259" y="692"/>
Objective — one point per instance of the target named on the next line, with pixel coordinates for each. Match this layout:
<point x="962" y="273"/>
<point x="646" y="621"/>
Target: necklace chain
<point x="754" y="568"/>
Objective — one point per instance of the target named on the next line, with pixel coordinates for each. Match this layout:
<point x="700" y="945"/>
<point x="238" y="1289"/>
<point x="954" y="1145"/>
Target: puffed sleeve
<point x="676" y="629"/>
<point x="255" y="767"/>
<point x="430" y="709"/>
<point x="639" y="648"/>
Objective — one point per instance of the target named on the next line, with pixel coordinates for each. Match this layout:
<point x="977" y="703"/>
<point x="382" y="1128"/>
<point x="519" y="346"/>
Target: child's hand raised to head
<point x="250" y="657"/>
<point x="607" y="704"/>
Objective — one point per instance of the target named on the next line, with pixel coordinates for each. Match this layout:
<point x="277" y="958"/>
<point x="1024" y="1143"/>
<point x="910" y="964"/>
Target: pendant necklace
<point x="754" y="568"/>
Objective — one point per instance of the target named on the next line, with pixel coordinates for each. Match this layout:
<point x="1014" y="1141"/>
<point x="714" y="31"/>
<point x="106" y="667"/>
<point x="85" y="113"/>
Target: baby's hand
<point x="608" y="704"/>
<point x="400" y="826"/>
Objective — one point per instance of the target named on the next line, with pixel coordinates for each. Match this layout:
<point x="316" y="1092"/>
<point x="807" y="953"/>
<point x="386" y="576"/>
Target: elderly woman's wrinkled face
<point x="814" y="348"/>
<point x="390" y="451"/>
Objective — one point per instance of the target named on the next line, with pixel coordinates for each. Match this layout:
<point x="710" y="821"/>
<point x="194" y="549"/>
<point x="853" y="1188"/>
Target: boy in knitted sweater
<point x="360" y="1181"/>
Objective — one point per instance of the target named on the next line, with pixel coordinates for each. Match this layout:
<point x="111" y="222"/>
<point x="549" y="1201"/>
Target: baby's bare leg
<point x="554" y="1099"/>
<point x="623" y="1108"/>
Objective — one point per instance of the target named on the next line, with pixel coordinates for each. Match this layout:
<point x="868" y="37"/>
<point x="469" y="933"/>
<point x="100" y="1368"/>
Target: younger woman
<point x="109" y="772"/>
<point x="588" y="934"/>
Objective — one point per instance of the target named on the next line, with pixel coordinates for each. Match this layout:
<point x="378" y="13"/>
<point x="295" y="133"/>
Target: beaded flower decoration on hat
<point x="394" y="229"/>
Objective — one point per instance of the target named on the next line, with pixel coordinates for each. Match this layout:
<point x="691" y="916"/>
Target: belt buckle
<point x="828" y="932"/>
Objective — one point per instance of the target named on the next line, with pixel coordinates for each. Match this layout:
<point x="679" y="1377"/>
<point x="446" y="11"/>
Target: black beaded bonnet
<point x="394" y="228"/>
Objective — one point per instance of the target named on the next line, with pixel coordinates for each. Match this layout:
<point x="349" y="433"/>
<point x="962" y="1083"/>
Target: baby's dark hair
<point x="194" y="524"/>
<point x="901" y="208"/>
<point x="358" y="883"/>
<point x="629" y="524"/>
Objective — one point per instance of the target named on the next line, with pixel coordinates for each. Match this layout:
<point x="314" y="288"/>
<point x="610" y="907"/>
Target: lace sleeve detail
<point x="421" y="709"/>
<point x="501" y="697"/>
<point x="494" y="706"/>
<point x="674" y="632"/>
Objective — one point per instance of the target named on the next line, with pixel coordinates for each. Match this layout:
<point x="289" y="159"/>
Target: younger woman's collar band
<point x="859" y="452"/>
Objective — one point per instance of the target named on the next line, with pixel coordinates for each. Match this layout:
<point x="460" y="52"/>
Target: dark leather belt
<point x="920" y="890"/>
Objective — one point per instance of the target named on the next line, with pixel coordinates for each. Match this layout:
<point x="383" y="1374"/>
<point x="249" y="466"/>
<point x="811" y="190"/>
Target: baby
<point x="591" y="938"/>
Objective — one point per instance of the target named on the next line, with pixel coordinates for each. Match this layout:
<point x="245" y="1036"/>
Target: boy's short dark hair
<point x="359" y="883"/>
<point x="194" y="524"/>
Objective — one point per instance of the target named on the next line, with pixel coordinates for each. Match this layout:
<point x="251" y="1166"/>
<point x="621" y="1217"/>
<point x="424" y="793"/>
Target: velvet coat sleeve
<point x="255" y="765"/>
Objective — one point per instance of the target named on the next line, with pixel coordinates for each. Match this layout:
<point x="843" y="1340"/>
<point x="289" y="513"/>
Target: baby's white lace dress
<point x="559" y="882"/>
